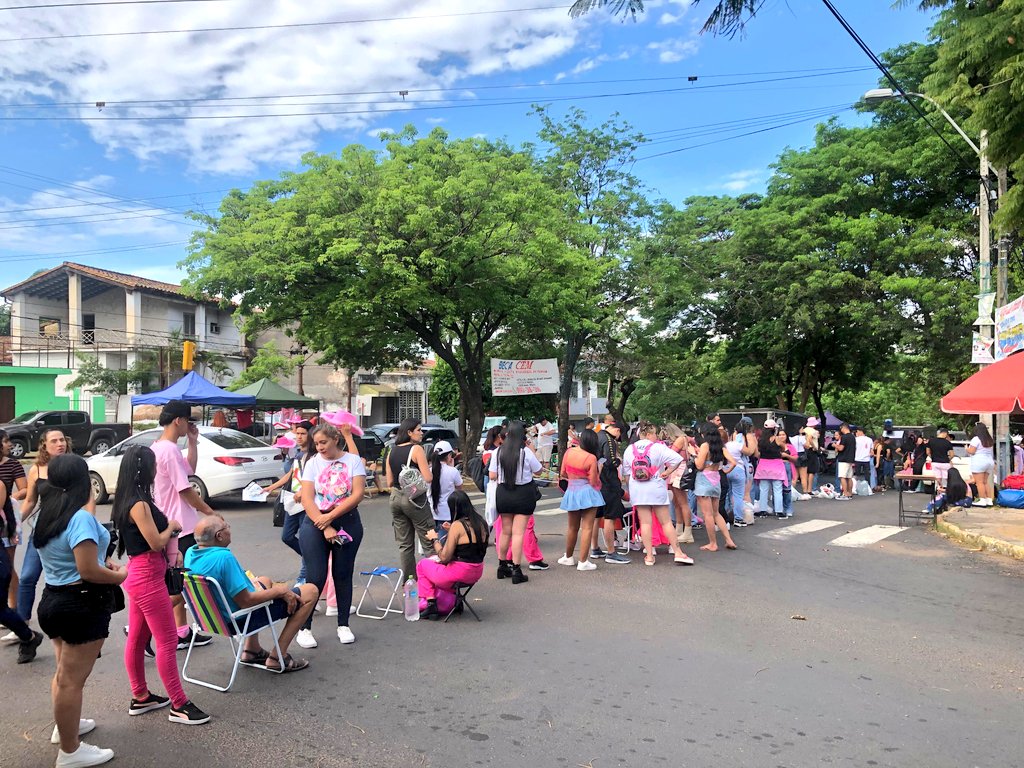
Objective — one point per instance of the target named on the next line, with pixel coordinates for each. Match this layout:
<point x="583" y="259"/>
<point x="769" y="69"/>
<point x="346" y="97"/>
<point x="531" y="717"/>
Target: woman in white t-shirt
<point x="645" y="466"/>
<point x="333" y="483"/>
<point x="981" y="449"/>
<point x="445" y="479"/>
<point x="513" y="466"/>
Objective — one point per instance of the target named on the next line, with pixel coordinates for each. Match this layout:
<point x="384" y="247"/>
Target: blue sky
<point x="96" y="185"/>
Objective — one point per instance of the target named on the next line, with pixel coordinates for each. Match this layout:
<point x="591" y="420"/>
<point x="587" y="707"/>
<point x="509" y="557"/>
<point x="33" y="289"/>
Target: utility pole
<point x="1002" y="421"/>
<point x="985" y="256"/>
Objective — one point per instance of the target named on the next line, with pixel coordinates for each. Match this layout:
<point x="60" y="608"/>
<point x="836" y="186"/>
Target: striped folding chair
<point x="207" y="604"/>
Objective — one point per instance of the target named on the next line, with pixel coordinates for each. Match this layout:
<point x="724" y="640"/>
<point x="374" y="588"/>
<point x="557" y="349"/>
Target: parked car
<point x="228" y="460"/>
<point x="85" y="436"/>
<point x="371" y="446"/>
<point x="385" y="431"/>
<point x="432" y="433"/>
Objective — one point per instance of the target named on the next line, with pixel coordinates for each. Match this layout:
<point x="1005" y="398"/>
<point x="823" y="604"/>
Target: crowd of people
<point x="657" y="483"/>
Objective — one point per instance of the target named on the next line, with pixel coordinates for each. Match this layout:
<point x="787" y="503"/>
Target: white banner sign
<point x="524" y="377"/>
<point x="986" y="301"/>
<point x="1009" y="328"/>
<point x="981" y="350"/>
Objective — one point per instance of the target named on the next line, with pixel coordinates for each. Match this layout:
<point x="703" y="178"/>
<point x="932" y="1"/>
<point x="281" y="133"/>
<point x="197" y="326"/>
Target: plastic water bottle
<point x="412" y="600"/>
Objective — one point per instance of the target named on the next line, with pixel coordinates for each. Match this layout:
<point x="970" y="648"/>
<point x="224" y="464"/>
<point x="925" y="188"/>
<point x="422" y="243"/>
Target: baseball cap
<point x="443" y="446"/>
<point x="771" y="424"/>
<point x="177" y="409"/>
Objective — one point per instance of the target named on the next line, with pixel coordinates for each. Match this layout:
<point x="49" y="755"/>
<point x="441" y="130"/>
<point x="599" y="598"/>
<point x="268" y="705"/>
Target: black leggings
<point x="315" y="551"/>
<point x="8" y="616"/>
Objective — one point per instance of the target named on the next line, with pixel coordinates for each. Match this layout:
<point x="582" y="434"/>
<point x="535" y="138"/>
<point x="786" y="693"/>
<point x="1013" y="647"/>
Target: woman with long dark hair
<point x="981" y="449"/>
<point x="581" y="499"/>
<point x="12" y="477"/>
<point x="77" y="600"/>
<point x="771" y="470"/>
<point x="741" y="447"/>
<point x="708" y="485"/>
<point x="410" y="517"/>
<point x="143" y="533"/>
<point x="293" y="507"/>
<point x="459" y="560"/>
<point x="513" y="466"/>
<point x="445" y="479"/>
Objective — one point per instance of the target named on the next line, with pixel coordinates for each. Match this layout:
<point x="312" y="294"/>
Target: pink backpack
<point x="641" y="468"/>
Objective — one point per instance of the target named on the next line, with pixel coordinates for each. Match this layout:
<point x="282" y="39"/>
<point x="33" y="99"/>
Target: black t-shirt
<point x="940" y="449"/>
<point x="848" y="454"/>
<point x="134" y="542"/>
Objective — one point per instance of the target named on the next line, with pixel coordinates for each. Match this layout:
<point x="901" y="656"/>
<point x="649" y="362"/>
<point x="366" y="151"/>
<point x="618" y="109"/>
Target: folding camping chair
<point x="206" y="602"/>
<point x="379" y="611"/>
<point x="461" y="592"/>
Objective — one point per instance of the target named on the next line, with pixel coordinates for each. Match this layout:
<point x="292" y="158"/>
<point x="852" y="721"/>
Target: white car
<point x="228" y="460"/>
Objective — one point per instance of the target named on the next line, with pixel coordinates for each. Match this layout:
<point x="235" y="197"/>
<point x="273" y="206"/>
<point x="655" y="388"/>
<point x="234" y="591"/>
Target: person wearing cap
<point x="846" y="457"/>
<point x="445" y="478"/>
<point x="176" y="498"/>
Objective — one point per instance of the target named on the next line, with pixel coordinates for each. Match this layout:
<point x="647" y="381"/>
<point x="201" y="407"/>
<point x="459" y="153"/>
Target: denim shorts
<point x="704" y="487"/>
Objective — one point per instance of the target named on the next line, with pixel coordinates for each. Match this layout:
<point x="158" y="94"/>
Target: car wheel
<point x="19" y="449"/>
<point x="100" y="446"/>
<point x="199" y="487"/>
<point x="99" y="488"/>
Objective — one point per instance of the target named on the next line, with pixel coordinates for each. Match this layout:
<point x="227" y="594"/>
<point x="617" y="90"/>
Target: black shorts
<point x="518" y="500"/>
<point x="813" y="463"/>
<point x="278" y="610"/>
<point x="801" y="459"/>
<point x="70" y="613"/>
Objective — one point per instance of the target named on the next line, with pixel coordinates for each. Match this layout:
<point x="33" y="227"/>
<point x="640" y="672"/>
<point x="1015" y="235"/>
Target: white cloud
<point x="593" y="62"/>
<point x="435" y="120"/>
<point x="675" y="49"/>
<point x="743" y="181"/>
<point x="384" y="57"/>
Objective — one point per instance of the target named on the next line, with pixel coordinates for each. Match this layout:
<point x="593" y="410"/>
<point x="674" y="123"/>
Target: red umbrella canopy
<point x="998" y="388"/>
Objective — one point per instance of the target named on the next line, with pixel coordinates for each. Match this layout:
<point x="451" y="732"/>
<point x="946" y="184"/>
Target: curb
<point x="978" y="541"/>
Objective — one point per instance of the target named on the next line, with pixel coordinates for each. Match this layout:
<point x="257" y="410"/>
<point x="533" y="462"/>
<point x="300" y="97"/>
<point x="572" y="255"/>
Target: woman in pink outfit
<point x="460" y="559"/>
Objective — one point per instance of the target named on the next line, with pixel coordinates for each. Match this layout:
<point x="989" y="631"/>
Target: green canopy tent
<point x="273" y="397"/>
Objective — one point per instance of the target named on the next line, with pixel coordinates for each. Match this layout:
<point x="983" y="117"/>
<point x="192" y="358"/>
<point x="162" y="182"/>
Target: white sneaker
<point x="85" y="725"/>
<point x="305" y="638"/>
<point x="351" y="610"/>
<point x="566" y="560"/>
<point x="683" y="559"/>
<point x="586" y="565"/>
<point x="10" y="637"/>
<point x="332" y="610"/>
<point x="345" y="635"/>
<point x="85" y="755"/>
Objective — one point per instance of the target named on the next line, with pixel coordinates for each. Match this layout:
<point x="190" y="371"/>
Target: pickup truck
<point x="85" y="436"/>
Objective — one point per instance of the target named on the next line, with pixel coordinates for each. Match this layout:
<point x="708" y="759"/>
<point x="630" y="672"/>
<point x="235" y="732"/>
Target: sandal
<point x="258" y="658"/>
<point x="648" y="561"/>
<point x="290" y="664"/>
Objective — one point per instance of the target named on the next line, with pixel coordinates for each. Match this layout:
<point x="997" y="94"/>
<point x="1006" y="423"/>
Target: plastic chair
<point x="380" y="611"/>
<point x="461" y="591"/>
<point x="206" y="602"/>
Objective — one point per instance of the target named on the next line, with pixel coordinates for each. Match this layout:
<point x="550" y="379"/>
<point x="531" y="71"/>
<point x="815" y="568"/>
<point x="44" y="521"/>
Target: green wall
<point x="34" y="388"/>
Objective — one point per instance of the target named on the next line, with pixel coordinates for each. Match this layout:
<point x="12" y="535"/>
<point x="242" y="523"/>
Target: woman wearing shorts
<point x="513" y="466"/>
<point x="982" y="453"/>
<point x="708" y="485"/>
<point x="581" y="499"/>
<point x="78" y="598"/>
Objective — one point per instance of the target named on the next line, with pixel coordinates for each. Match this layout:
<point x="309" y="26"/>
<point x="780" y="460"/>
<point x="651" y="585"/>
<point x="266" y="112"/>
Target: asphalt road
<point x="909" y="653"/>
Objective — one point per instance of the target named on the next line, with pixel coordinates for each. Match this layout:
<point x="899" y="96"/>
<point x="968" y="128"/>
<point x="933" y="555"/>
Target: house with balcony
<point x="116" y="317"/>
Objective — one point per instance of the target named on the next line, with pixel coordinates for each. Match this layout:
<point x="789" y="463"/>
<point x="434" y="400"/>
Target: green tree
<point x="268" y="363"/>
<point x="376" y="258"/>
<point x="727" y="16"/>
<point x="109" y="382"/>
<point x="5" y="320"/>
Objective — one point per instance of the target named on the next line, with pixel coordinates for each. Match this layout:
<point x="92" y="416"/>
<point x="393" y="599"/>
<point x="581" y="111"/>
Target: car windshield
<point x="229" y="440"/>
<point x="25" y="417"/>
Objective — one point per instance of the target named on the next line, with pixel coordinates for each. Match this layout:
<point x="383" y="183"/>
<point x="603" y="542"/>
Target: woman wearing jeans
<point x="333" y="483"/>
<point x="771" y="470"/>
<point x="293" y="479"/>
<point x="144" y="532"/>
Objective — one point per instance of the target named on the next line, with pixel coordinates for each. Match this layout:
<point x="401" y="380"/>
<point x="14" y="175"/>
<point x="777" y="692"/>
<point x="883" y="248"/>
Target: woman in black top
<point x="409" y="516"/>
<point x="459" y="560"/>
<point x="143" y="533"/>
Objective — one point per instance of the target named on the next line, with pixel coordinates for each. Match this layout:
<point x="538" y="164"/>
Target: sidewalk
<point x="995" y="529"/>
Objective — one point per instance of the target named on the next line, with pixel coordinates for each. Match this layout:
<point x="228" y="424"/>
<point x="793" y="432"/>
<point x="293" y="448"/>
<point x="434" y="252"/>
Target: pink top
<point x="172" y="473"/>
<point x="586" y="472"/>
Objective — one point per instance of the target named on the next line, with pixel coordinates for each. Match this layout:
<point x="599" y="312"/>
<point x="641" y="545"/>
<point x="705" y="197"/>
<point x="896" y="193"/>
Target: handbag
<point x="410" y="480"/>
<point x="688" y="480"/>
<point x="108" y="598"/>
<point x="174" y="578"/>
<point x="278" y="518"/>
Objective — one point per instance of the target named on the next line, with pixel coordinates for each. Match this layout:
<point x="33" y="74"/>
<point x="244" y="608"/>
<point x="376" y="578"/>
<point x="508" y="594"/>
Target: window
<point x="230" y="440"/>
<point x="88" y="329"/>
<point x="410" y="405"/>
<point x="188" y="324"/>
<point x="75" y="417"/>
<point x="52" y="419"/>
<point x="49" y="327"/>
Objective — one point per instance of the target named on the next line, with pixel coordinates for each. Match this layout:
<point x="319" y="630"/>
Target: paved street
<point x="909" y="654"/>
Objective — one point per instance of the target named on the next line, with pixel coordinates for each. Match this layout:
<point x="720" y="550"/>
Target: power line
<point x="474" y="105"/>
<point x="98" y="252"/>
<point x="124" y="200"/>
<point x="100" y="2"/>
<point x="510" y="86"/>
<point x="297" y="25"/>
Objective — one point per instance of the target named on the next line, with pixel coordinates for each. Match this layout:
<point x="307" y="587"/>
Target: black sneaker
<point x="149" y="645"/>
<point x="597" y="553"/>
<point x="27" y="648"/>
<point x="183" y="642"/>
<point x="188" y="714"/>
<point x="539" y="565"/>
<point x="148" y="704"/>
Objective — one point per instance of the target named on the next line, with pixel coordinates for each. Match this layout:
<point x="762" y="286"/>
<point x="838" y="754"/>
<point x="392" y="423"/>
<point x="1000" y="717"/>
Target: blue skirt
<point x="581" y="495"/>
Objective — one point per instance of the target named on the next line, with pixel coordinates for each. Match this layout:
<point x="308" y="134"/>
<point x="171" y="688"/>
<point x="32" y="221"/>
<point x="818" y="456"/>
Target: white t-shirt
<point x="545" y="435"/>
<point x="451" y="479"/>
<point x="981" y="450"/>
<point x="798" y="441"/>
<point x="528" y="464"/>
<point x="864" y="446"/>
<point x="652" y="492"/>
<point x="332" y="480"/>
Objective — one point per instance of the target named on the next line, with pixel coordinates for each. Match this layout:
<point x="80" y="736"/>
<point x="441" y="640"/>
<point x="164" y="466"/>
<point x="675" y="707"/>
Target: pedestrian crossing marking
<point x="867" y="536"/>
<point x="809" y="526"/>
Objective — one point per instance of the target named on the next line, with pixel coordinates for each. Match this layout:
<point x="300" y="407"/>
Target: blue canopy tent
<point x="195" y="390"/>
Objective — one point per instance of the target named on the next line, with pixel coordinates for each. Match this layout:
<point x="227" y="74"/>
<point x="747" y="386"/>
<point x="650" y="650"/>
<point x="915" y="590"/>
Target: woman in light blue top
<point x="78" y="599"/>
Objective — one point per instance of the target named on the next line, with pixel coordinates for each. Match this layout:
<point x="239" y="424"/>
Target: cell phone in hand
<point x="174" y="534"/>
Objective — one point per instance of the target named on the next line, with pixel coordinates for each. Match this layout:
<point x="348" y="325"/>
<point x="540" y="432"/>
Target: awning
<point x="996" y="388"/>
<point x="377" y="390"/>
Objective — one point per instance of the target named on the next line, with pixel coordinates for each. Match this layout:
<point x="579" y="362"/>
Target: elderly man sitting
<point x="211" y="557"/>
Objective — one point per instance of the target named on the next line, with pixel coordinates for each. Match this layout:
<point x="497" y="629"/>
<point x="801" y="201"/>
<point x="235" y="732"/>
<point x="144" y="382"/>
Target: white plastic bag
<point x="490" y="507"/>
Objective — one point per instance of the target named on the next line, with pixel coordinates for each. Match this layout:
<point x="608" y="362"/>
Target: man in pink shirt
<point x="175" y="496"/>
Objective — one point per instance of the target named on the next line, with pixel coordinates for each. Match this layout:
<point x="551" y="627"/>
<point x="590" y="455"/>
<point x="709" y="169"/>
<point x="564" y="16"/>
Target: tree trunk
<point x="571" y="356"/>
<point x="618" y="408"/>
